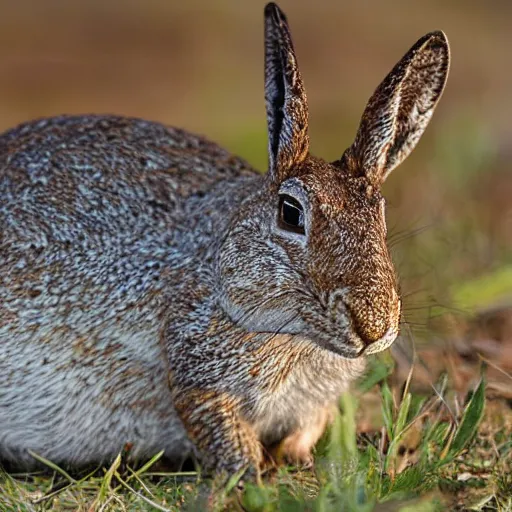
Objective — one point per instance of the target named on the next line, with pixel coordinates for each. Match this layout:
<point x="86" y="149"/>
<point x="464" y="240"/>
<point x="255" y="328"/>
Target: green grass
<point x="484" y="291"/>
<point x="419" y="455"/>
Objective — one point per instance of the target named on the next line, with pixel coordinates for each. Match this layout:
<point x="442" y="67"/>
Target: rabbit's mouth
<point x="345" y="340"/>
<point x="383" y="343"/>
<point x="351" y="346"/>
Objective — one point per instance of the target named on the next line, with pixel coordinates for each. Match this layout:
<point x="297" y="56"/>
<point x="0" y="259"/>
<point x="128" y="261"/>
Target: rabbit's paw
<point x="296" y="448"/>
<point x="225" y="442"/>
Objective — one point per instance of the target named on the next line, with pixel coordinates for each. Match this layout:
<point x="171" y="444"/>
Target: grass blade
<point x="468" y="426"/>
<point x="51" y="465"/>
<point x="106" y="482"/>
<point x="387" y="408"/>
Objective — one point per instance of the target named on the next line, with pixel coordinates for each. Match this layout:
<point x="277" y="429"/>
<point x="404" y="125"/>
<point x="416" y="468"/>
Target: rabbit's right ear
<point x="285" y="98"/>
<point x="400" y="109"/>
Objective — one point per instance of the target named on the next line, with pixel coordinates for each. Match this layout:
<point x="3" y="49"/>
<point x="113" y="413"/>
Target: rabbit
<point x="158" y="292"/>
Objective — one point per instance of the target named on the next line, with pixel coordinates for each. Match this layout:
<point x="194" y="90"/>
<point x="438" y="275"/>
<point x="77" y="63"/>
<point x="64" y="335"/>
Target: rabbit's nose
<point x="369" y="325"/>
<point x="374" y="316"/>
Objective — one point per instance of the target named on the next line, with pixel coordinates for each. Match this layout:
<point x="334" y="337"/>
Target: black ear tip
<point x="271" y="8"/>
<point x="273" y="11"/>
<point x="438" y="34"/>
<point x="433" y="45"/>
<point x="436" y="39"/>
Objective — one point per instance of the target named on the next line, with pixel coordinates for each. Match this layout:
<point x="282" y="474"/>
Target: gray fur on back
<point x="99" y="216"/>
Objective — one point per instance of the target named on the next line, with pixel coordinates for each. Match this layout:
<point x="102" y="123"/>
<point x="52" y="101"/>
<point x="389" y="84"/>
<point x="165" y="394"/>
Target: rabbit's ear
<point x="285" y="98"/>
<point x="400" y="109"/>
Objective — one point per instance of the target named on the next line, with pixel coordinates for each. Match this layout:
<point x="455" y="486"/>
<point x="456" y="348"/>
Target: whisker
<point x="269" y="300"/>
<point x="401" y="236"/>
<point x="417" y="359"/>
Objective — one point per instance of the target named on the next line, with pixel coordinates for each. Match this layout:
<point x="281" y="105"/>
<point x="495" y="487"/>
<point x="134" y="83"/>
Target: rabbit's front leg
<point x="225" y="442"/>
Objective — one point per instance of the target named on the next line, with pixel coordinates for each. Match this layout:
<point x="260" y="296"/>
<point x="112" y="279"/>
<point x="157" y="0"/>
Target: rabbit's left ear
<point x="285" y="98"/>
<point x="400" y="109"/>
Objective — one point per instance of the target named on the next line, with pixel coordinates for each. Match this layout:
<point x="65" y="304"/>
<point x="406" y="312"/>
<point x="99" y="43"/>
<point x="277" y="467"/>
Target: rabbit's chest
<point x="301" y="398"/>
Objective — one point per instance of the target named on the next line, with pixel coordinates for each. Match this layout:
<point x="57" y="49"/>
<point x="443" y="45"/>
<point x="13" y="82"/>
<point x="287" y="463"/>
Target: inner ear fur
<point x="285" y="97"/>
<point x="400" y="109"/>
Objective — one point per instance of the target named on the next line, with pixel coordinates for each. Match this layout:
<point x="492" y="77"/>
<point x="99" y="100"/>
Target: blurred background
<point x="199" y="65"/>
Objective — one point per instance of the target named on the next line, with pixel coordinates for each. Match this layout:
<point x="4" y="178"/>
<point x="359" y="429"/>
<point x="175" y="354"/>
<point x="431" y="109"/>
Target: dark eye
<point x="291" y="214"/>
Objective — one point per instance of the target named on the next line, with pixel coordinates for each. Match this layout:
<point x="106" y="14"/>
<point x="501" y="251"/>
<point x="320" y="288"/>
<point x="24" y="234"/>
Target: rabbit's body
<point x="102" y="201"/>
<point x="157" y="292"/>
<point x="128" y="211"/>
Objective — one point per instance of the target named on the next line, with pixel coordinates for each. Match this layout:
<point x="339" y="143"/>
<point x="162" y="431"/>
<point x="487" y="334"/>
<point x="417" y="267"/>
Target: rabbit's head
<point x="307" y="253"/>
